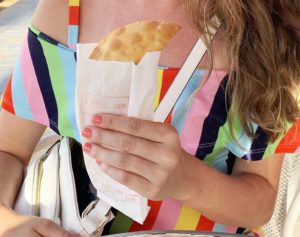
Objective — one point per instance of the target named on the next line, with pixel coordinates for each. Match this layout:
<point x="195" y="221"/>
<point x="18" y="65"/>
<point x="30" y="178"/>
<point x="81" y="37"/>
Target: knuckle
<point x="99" y="135"/>
<point x="127" y="143"/>
<point x="123" y="160"/>
<point x="170" y="158"/>
<point x="170" y="132"/>
<point x="134" y="125"/>
<point x="108" y="121"/>
<point x="45" y="224"/>
<point x="96" y="152"/>
<point x="162" y="176"/>
<point x="124" y="178"/>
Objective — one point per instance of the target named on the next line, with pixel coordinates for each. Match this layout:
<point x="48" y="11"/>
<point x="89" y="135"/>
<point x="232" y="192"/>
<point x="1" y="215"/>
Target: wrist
<point x="189" y="185"/>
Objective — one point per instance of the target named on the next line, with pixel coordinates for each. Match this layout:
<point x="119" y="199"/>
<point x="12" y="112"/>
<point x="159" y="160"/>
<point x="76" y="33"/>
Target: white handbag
<point x="49" y="191"/>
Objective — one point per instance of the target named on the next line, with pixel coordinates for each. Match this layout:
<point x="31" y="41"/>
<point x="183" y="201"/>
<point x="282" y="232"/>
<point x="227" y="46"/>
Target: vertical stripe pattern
<point x="58" y="84"/>
<point x="68" y="64"/>
<point x="200" y="108"/>
<point x="212" y="123"/>
<point x="32" y="89"/>
<point x="19" y="94"/>
<point x="42" y="89"/>
<point x="168" y="215"/>
<point x="188" y="219"/>
<point x="43" y="77"/>
<point x="74" y="20"/>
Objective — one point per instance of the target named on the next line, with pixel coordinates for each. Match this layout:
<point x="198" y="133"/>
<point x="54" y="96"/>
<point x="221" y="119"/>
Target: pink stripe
<point x="168" y="215"/>
<point x="231" y="230"/>
<point x="32" y="89"/>
<point x="199" y="110"/>
<point x="297" y="151"/>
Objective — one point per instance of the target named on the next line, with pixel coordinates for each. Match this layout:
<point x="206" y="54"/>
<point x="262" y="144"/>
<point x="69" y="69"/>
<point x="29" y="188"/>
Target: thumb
<point x="48" y="228"/>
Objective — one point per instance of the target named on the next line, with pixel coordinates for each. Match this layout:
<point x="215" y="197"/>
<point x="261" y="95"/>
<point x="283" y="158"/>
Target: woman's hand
<point x="143" y="155"/>
<point x="13" y="225"/>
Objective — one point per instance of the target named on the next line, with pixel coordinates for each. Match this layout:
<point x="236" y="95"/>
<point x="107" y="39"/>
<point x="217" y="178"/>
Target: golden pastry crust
<point x="131" y="42"/>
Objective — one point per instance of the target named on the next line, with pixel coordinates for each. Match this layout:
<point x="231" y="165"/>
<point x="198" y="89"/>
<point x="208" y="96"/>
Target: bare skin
<point x="229" y="196"/>
<point x="97" y="20"/>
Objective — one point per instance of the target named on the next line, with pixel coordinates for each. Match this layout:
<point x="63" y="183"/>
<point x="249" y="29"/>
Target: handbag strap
<point x="184" y="75"/>
<point x="96" y="216"/>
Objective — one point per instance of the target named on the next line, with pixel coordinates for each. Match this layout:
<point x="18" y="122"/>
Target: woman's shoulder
<point x="51" y="17"/>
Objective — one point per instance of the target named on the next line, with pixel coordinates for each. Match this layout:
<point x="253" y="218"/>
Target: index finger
<point x="146" y="129"/>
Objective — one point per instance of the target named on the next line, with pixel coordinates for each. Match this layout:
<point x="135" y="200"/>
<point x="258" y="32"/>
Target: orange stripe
<point x="74" y="15"/>
<point x="291" y="141"/>
<point x="168" y="78"/>
<point x="7" y="102"/>
<point x="205" y="224"/>
<point x="149" y="222"/>
<point x="169" y="118"/>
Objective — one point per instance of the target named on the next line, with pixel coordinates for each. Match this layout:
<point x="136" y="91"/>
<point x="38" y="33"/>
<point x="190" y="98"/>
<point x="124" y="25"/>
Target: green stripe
<point x="121" y="224"/>
<point x="58" y="84"/>
<point x="34" y="30"/>
<point x="271" y="148"/>
<point x="223" y="139"/>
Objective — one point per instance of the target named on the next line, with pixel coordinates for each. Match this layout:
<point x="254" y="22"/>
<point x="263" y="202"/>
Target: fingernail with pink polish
<point x="87" y="147"/>
<point x="87" y="133"/>
<point x="97" y="119"/>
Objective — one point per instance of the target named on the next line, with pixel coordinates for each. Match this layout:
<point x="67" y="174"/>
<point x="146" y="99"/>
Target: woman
<point x="200" y="164"/>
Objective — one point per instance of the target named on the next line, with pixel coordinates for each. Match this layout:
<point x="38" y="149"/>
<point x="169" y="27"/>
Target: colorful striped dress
<point x="42" y="89"/>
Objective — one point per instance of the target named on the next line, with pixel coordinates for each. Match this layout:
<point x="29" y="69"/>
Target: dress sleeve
<point x="22" y="96"/>
<point x="259" y="148"/>
<point x="6" y="100"/>
<point x="18" y="95"/>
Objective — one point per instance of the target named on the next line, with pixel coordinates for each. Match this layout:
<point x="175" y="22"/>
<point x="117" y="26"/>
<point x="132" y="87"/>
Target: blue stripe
<point x="219" y="228"/>
<point x="69" y="69"/>
<point x="73" y="35"/>
<point x="220" y="160"/>
<point x="243" y="144"/>
<point x="182" y="105"/>
<point x="19" y="97"/>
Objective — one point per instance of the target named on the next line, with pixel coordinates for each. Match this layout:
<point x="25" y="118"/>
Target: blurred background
<point x="15" y="16"/>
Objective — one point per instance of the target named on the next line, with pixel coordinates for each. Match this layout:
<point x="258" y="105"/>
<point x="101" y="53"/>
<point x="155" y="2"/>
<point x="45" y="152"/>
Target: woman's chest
<point x="99" y="19"/>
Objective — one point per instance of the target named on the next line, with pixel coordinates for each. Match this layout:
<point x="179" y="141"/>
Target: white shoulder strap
<point x="182" y="78"/>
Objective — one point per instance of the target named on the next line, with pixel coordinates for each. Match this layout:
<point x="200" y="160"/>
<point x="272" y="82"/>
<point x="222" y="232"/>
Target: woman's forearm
<point x="243" y="200"/>
<point x="11" y="175"/>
